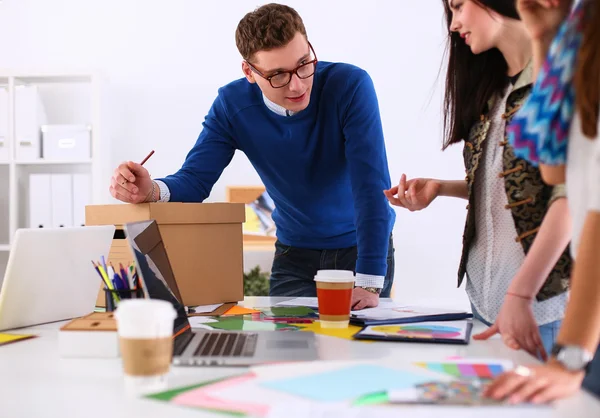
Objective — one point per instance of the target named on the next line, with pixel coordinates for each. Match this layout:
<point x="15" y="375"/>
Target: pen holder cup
<point x="113" y="296"/>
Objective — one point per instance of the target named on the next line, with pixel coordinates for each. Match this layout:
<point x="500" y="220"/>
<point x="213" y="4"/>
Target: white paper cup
<point x="334" y="293"/>
<point x="145" y="329"/>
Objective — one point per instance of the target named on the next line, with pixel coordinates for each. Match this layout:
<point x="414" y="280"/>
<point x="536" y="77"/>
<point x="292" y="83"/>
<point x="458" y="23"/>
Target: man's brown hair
<point x="270" y="26"/>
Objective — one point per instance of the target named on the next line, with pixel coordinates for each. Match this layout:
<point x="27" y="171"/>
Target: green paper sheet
<point x="288" y="311"/>
<point x="237" y="323"/>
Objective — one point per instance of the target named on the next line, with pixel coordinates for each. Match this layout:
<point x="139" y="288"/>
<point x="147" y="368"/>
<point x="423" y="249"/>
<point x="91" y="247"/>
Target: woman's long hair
<point x="587" y="73"/>
<point x="472" y="79"/>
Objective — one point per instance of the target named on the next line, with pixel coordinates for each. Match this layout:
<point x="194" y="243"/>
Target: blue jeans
<point x="548" y="332"/>
<point x="592" y="379"/>
<point x="294" y="268"/>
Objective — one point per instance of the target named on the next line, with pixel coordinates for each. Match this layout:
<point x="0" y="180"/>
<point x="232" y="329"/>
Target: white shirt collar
<point x="274" y="107"/>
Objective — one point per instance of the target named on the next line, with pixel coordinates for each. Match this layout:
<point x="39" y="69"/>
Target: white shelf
<point x="52" y="162"/>
<point x="19" y="170"/>
<point x="49" y="77"/>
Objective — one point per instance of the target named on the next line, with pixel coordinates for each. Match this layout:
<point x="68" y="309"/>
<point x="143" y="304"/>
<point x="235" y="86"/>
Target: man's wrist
<point x="154" y="194"/>
<point x="163" y="194"/>
<point x="369" y="280"/>
<point x="374" y="290"/>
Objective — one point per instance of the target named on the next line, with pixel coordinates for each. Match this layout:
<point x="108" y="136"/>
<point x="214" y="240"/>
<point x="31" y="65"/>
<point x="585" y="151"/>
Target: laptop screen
<point x="154" y="269"/>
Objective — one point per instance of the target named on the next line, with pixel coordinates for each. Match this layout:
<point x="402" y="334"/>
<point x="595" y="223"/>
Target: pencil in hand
<point x="147" y="157"/>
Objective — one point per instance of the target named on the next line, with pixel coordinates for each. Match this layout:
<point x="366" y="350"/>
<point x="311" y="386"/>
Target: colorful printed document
<point x="469" y="368"/>
<point x="289" y="312"/>
<point x="448" y="332"/>
<point x="206" y="398"/>
<point x="345" y="333"/>
<point x="247" y="323"/>
<point x="346" y="383"/>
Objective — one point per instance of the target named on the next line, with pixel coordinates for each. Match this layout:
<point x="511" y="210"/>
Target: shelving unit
<point x="68" y="94"/>
<point x="55" y="162"/>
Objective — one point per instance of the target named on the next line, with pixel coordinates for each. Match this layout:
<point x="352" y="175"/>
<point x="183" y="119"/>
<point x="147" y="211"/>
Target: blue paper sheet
<point x="347" y="383"/>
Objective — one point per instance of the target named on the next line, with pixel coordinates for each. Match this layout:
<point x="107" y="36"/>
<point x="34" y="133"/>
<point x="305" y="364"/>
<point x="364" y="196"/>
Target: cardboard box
<point x="203" y="242"/>
<point x="92" y="336"/>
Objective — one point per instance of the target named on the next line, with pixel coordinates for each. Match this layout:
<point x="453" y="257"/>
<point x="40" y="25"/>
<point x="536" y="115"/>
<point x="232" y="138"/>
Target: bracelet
<point x="519" y="296"/>
<point x="151" y="194"/>
<point x="374" y="290"/>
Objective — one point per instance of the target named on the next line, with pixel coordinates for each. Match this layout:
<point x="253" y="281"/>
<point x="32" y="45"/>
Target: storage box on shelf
<point x="66" y="142"/>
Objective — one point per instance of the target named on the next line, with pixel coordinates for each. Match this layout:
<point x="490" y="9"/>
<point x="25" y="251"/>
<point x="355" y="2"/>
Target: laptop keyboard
<point x="227" y="344"/>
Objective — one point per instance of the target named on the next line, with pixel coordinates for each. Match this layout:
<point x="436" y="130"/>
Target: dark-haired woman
<point x="515" y="254"/>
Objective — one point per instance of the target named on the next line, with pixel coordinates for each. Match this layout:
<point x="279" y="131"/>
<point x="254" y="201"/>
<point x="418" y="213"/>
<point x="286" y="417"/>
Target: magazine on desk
<point x="446" y="332"/>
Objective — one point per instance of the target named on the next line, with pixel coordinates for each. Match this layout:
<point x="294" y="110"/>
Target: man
<point x="313" y="133"/>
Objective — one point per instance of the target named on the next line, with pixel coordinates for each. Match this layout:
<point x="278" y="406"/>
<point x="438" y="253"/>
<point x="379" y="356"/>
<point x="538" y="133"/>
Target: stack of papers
<point x="404" y="315"/>
<point x="389" y="312"/>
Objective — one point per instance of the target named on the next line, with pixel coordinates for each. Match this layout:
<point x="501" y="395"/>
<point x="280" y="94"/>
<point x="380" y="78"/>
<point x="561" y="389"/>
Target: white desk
<point x="36" y="382"/>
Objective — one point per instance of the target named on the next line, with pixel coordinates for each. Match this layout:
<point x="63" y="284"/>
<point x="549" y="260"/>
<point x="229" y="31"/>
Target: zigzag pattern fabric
<point x="540" y="129"/>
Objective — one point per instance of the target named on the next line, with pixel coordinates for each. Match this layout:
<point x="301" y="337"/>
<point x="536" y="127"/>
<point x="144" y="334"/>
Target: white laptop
<point x="49" y="276"/>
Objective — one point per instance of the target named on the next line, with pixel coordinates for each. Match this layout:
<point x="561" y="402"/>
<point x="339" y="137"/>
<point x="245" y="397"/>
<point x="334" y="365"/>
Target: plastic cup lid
<point x="335" y="276"/>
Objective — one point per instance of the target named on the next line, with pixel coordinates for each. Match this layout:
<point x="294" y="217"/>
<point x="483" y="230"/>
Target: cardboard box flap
<point x="197" y="213"/>
<point x="116" y="214"/>
<point x="166" y="213"/>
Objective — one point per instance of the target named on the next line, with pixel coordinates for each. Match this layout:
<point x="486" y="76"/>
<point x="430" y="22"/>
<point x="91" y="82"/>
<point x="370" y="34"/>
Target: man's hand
<point x="131" y="183"/>
<point x="518" y="327"/>
<point x="362" y="299"/>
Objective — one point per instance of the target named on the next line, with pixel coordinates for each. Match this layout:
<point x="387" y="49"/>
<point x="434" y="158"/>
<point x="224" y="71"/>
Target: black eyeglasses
<point x="283" y="78"/>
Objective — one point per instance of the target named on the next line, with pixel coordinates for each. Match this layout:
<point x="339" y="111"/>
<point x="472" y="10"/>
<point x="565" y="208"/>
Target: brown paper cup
<point x="145" y="329"/>
<point x="146" y="357"/>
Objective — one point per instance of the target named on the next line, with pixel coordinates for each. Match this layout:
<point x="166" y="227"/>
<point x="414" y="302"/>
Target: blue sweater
<point x="325" y="167"/>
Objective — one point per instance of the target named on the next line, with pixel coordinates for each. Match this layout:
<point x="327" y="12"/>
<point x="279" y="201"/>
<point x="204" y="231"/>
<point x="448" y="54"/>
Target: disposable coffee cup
<point x="334" y="293"/>
<point x="145" y="330"/>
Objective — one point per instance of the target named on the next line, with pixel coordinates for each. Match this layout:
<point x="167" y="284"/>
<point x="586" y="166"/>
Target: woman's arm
<point x="516" y="322"/>
<point x="417" y="194"/>
<point x="454" y="188"/>
<point x="549" y="244"/>
<point x="581" y="325"/>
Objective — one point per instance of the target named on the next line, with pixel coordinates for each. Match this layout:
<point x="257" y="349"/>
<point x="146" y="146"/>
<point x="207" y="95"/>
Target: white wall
<point x="166" y="59"/>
